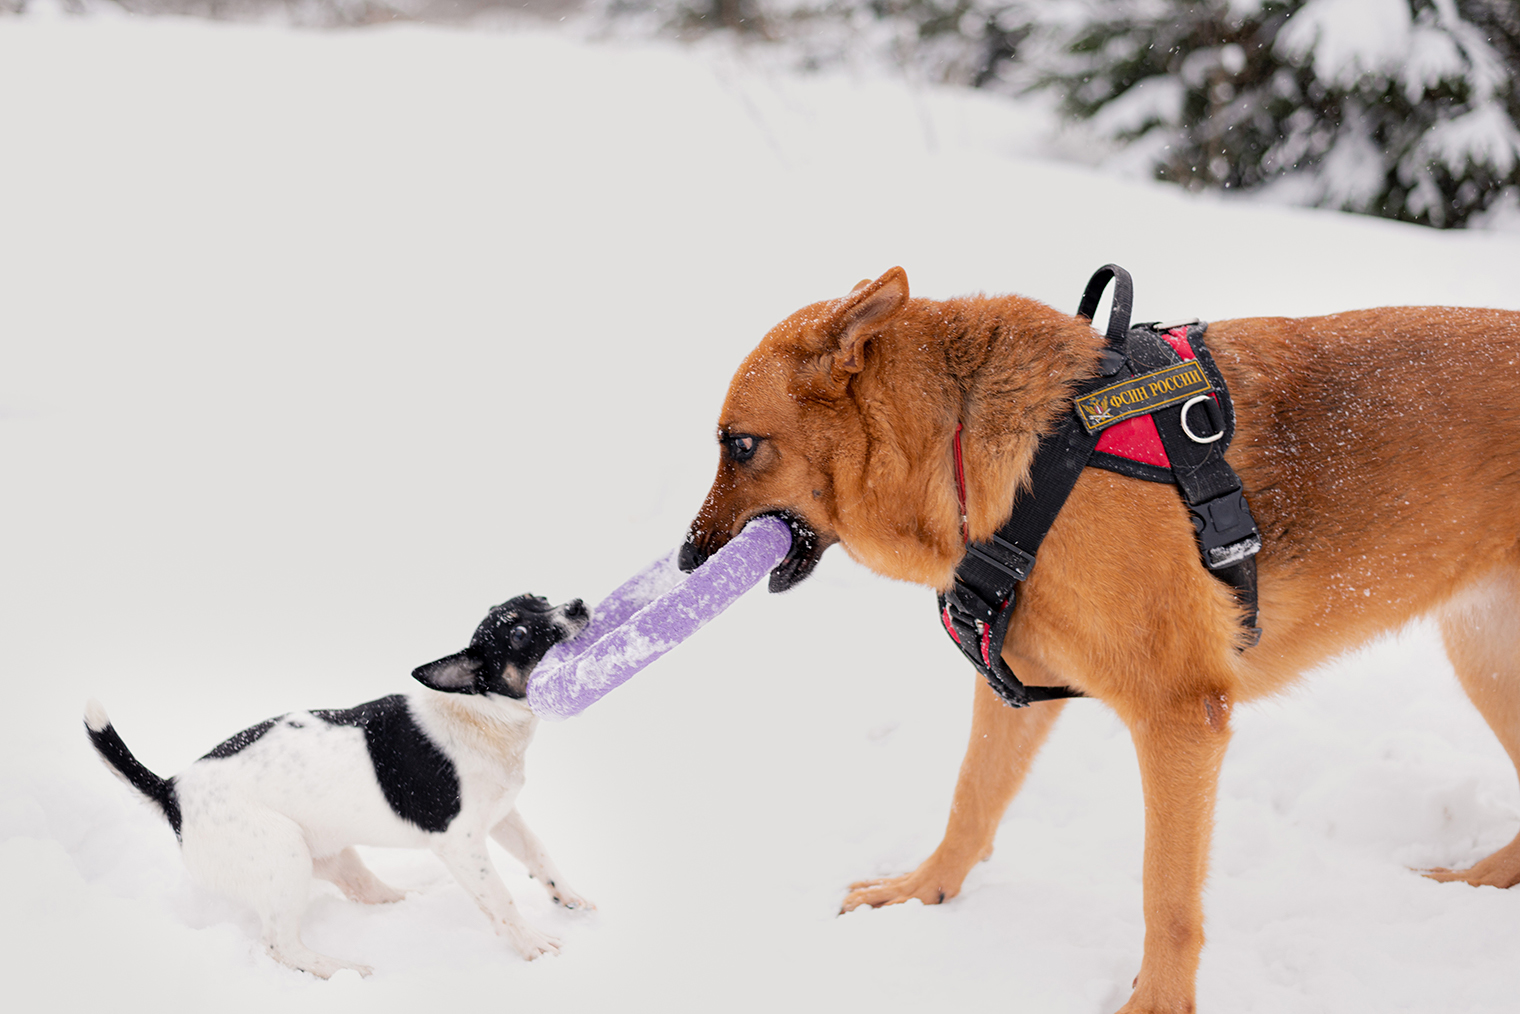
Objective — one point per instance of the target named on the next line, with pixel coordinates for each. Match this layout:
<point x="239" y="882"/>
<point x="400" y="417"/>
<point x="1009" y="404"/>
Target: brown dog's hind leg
<point x="1180" y="746"/>
<point x="1003" y="744"/>
<point x="1482" y="635"/>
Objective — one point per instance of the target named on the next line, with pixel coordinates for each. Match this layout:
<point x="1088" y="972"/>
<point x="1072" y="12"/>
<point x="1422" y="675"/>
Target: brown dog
<point x="1380" y="451"/>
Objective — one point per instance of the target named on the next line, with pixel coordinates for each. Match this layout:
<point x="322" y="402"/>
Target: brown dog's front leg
<point x="1180" y="747"/>
<point x="1003" y="744"/>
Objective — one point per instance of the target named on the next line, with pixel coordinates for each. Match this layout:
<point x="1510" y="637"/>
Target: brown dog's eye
<point x="741" y="446"/>
<point x="519" y="638"/>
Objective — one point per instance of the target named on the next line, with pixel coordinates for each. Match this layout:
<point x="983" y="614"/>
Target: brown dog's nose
<point x="691" y="557"/>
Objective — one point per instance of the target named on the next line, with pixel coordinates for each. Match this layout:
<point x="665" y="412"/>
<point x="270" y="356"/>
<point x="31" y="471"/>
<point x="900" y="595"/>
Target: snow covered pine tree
<point x="1400" y="108"/>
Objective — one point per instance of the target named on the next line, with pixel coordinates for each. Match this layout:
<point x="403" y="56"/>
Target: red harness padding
<point x="1137" y="439"/>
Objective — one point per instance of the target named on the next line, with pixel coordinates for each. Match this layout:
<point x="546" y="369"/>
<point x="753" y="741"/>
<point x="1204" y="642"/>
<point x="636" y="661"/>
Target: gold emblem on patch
<point x="1142" y="395"/>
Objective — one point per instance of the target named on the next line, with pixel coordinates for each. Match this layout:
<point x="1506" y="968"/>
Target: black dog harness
<point x="1158" y="410"/>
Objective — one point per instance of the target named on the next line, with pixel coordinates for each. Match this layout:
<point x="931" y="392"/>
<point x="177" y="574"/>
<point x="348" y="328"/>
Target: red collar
<point x="960" y="483"/>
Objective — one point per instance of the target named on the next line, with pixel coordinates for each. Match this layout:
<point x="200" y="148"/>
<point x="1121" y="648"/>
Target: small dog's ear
<point x="860" y="315"/>
<point x="861" y="284"/>
<point x="454" y="674"/>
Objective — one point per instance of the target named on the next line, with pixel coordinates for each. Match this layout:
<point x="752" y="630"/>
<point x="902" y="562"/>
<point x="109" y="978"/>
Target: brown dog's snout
<point x="701" y="543"/>
<point x="708" y="533"/>
<point x="692" y="555"/>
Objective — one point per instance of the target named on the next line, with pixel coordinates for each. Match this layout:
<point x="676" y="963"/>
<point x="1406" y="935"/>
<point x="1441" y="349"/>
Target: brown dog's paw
<point x="1502" y="869"/>
<point x="1177" y="1001"/>
<point x="1135" y="1007"/>
<point x="1481" y="875"/>
<point x="922" y="884"/>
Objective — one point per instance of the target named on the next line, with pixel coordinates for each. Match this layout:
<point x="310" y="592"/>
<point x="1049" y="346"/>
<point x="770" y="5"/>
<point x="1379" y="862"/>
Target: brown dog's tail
<point x="159" y="791"/>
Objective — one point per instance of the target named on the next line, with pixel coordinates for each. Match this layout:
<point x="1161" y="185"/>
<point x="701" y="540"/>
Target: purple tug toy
<point x="652" y="612"/>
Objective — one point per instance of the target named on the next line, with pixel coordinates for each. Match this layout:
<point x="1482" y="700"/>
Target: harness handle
<point x="1124" y="302"/>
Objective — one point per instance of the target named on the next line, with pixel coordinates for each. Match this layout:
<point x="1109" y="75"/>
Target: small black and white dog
<point x="438" y="768"/>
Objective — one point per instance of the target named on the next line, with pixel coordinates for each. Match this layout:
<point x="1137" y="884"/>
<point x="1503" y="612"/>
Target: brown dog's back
<point x="1380" y="450"/>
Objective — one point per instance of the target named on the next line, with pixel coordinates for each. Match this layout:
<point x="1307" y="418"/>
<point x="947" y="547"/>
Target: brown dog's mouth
<point x="807" y="549"/>
<point x="801" y="558"/>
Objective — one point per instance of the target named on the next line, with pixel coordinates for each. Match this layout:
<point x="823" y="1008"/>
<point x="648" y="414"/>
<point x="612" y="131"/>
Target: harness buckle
<point x="1226" y="531"/>
<point x="1003" y="556"/>
<point x="966" y="608"/>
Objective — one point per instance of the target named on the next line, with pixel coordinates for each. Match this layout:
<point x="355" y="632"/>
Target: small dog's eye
<point x="741" y="446"/>
<point x="519" y="638"/>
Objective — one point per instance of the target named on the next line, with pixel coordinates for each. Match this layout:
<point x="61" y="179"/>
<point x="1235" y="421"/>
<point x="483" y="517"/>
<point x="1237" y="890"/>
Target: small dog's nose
<point x="691" y="557"/>
<point x="575" y="609"/>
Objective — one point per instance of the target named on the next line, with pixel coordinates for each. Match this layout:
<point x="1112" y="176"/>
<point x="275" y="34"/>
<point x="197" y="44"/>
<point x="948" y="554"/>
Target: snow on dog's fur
<point x="437" y="768"/>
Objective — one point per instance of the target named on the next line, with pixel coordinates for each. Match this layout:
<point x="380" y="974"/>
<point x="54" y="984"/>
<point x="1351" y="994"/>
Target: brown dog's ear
<point x="860" y="285"/>
<point x="860" y="315"/>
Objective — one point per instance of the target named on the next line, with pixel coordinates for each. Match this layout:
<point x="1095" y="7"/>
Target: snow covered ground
<point x="317" y="344"/>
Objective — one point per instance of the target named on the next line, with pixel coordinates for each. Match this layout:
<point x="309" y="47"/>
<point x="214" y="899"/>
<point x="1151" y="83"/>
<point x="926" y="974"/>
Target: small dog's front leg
<point x="512" y="834"/>
<point x="464" y="853"/>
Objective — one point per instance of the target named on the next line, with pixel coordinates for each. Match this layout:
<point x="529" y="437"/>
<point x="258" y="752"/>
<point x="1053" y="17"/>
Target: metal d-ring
<point x="1195" y="438"/>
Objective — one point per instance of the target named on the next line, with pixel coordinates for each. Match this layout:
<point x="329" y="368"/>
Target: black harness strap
<point x="977" y="609"/>
<point x="1124" y="303"/>
<point x="1227" y="537"/>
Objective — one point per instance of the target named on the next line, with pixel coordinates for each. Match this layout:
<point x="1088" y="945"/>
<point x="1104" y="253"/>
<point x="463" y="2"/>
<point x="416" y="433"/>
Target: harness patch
<point x="1142" y="395"/>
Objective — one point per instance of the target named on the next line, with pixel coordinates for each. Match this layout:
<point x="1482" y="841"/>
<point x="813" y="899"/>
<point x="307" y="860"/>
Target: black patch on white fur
<point x="419" y="782"/>
<point x="237" y="743"/>
<point x="160" y="790"/>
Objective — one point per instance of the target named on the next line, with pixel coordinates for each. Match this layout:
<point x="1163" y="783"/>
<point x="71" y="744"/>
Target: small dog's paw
<point x="529" y="942"/>
<point x="570" y="900"/>
<point x="374" y="893"/>
<point x="321" y="965"/>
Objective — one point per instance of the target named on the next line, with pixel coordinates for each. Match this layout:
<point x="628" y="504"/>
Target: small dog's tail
<point x="129" y="769"/>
